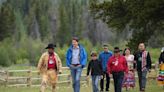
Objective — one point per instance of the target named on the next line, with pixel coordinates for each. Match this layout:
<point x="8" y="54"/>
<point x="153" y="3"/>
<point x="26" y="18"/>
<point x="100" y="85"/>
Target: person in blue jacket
<point x="104" y="57"/>
<point x="76" y="59"/>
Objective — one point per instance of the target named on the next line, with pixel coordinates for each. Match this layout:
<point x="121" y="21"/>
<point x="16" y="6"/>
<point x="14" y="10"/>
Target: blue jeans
<point x="76" y="74"/>
<point x="95" y="81"/>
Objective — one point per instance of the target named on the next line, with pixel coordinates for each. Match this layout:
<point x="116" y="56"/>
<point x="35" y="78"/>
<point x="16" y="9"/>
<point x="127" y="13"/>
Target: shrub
<point x="4" y="57"/>
<point x="62" y="53"/>
<point x="154" y="53"/>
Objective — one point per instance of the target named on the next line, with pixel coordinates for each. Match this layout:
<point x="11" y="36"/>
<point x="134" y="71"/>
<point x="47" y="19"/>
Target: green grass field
<point x="151" y="87"/>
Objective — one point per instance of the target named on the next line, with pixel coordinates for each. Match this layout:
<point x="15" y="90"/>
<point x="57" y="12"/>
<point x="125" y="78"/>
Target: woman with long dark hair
<point x="129" y="79"/>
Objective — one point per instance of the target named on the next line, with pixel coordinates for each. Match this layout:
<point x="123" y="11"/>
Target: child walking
<point x="95" y="69"/>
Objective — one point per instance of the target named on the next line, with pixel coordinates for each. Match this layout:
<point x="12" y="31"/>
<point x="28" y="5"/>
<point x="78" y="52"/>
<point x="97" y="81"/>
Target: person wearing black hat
<point x="49" y="66"/>
<point x="117" y="66"/>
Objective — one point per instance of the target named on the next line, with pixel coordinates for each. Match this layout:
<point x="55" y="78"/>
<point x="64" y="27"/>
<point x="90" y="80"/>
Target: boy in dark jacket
<point x="95" y="69"/>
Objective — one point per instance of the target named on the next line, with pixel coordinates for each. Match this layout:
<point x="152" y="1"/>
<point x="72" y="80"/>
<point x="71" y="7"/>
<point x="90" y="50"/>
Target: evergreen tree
<point x="64" y="33"/>
<point x="144" y="17"/>
<point x="7" y="21"/>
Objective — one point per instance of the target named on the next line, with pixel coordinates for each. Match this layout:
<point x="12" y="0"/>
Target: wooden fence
<point x="14" y="77"/>
<point x="32" y="78"/>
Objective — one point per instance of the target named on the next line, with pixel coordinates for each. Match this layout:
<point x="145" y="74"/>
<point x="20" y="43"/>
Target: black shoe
<point x="107" y="90"/>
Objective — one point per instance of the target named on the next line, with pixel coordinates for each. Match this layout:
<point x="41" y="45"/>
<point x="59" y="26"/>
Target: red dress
<point x="129" y="78"/>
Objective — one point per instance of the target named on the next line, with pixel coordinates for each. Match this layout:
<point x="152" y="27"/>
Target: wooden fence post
<point x="69" y="79"/>
<point x="29" y="79"/>
<point x="88" y="81"/>
<point x="7" y="77"/>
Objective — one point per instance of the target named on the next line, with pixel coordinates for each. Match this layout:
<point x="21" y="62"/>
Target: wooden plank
<point x="34" y="71"/>
<point x="35" y="85"/>
<point x="1" y="79"/>
<point x="63" y="82"/>
<point x="63" y="68"/>
<point x="17" y="78"/>
<point x="61" y="75"/>
<point x="3" y="72"/>
<point x="17" y="85"/>
<point x="36" y="78"/>
<point x="18" y="71"/>
<point x="83" y="75"/>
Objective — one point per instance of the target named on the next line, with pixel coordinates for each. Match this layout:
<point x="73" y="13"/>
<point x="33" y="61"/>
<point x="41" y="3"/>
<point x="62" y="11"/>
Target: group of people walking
<point x="104" y="66"/>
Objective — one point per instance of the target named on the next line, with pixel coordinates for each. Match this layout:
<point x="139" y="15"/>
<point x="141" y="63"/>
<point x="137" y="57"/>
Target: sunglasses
<point x="116" y="51"/>
<point x="93" y="55"/>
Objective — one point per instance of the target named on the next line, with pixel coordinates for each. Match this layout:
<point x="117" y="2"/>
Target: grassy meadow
<point x="151" y="87"/>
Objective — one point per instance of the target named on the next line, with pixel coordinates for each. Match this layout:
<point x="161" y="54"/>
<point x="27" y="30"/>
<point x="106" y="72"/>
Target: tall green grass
<point x="155" y="53"/>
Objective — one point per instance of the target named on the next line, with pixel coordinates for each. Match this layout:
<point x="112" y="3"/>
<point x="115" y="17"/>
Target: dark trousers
<point x="142" y="79"/>
<point x="118" y="79"/>
<point x="107" y="81"/>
